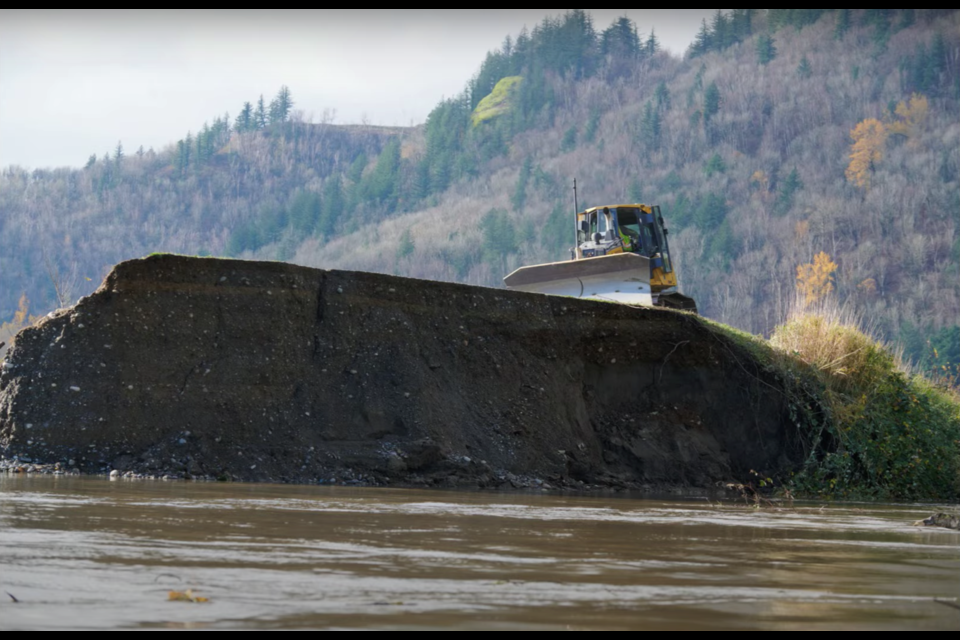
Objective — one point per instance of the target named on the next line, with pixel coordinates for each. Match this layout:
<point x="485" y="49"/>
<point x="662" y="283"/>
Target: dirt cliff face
<point x="272" y="372"/>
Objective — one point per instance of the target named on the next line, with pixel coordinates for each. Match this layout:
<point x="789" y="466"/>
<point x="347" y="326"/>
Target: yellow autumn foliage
<point x="868" y="287"/>
<point x="869" y="146"/>
<point x="913" y="115"/>
<point x="21" y="320"/>
<point x="815" y="280"/>
<point x="761" y="180"/>
<point x="870" y="137"/>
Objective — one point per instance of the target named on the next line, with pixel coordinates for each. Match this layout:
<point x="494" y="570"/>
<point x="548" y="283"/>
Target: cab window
<point x="649" y="243"/>
<point x="630" y="226"/>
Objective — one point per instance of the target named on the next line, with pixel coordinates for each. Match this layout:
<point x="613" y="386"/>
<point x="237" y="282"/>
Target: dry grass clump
<point x="835" y="343"/>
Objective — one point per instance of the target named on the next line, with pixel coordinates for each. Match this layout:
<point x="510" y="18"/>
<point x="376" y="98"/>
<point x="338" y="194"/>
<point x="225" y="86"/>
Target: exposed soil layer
<point x="272" y="372"/>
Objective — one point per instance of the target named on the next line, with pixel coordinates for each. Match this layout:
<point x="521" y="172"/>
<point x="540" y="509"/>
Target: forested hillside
<point x="816" y="143"/>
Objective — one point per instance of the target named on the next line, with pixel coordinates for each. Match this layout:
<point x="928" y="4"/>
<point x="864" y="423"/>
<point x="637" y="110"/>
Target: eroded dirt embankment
<point x="272" y="372"/>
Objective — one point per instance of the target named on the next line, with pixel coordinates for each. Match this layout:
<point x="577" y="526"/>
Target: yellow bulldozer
<point x="622" y="255"/>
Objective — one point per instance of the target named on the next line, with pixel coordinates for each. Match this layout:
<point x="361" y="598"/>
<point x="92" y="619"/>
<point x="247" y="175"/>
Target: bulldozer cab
<point x="637" y="229"/>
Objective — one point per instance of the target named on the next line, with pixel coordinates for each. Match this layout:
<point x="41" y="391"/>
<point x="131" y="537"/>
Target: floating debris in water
<point x="186" y="596"/>
<point x="942" y="521"/>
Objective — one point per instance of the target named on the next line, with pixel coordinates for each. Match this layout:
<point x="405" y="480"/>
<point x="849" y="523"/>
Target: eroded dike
<point x="276" y="373"/>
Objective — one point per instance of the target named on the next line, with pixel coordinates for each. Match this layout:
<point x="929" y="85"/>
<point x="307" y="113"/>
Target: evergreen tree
<point x="778" y="18"/>
<point x="652" y="47"/>
<point x="936" y="65"/>
<point x="882" y="29"/>
<point x="635" y="191"/>
<point x="382" y="185"/>
<point x="357" y="167"/>
<point x="499" y="237"/>
<point x="921" y="71"/>
<point x="593" y="125"/>
<point x="558" y="233"/>
<point x="703" y="43"/>
<point x="522" y="50"/>
<point x="662" y="97"/>
<point x="804" y="70"/>
<point x="799" y="18"/>
<point x="712" y="102"/>
<point x="205" y="145"/>
<point x="223" y="129"/>
<point x="332" y="206"/>
<point x="568" y="44"/>
<point x="569" y="142"/>
<point x="272" y="222"/>
<point x="184" y="154"/>
<point x="281" y="106"/>
<point x="578" y="27"/>
<point x="407" y="246"/>
<point x="715" y="165"/>
<point x="786" y="194"/>
<point x="91" y="162"/>
<point x="651" y="128"/>
<point x="843" y="23"/>
<point x="118" y="154"/>
<point x="179" y="158"/>
<point x="766" y="50"/>
<point x="519" y="199"/>
<point x="721" y="31"/>
<point x="620" y="40"/>
<point x="188" y="149"/>
<point x="245" y="121"/>
<point x="441" y="171"/>
<point x="871" y="17"/>
<point x="420" y="185"/>
<point x="723" y="244"/>
<point x="741" y="24"/>
<point x="908" y="18"/>
<point x="260" y="115"/>
<point x="305" y="210"/>
<point x="711" y="212"/>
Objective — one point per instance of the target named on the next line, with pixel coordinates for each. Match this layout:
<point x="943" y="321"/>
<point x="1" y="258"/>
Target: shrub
<point x="892" y="435"/>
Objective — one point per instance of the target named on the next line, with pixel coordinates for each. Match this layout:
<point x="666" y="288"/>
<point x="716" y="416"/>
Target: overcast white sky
<point x="75" y="82"/>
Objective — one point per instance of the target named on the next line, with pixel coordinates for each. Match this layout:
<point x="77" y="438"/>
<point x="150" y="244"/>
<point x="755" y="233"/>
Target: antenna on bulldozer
<point x="576" y="213"/>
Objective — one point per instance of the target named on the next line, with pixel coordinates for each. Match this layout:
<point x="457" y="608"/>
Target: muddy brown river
<point x="89" y="554"/>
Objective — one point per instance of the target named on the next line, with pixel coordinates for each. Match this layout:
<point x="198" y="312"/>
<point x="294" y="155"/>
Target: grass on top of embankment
<point x="880" y="432"/>
<point x="894" y="434"/>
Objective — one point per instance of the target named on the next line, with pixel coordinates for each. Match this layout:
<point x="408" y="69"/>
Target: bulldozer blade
<point x="623" y="278"/>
